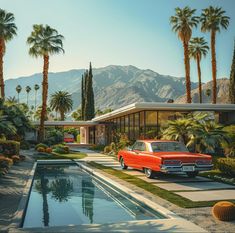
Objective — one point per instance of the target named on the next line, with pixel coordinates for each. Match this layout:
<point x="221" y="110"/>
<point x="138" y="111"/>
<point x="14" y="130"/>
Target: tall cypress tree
<point x="86" y="96"/>
<point x="82" y="98"/>
<point x="232" y="79"/>
<point x="92" y="101"/>
<point x="89" y="109"/>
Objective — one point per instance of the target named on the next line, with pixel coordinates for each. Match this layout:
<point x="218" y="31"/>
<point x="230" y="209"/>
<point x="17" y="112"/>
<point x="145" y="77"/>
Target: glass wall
<point x="127" y="125"/>
<point x="142" y="125"/>
<point x="164" y="116"/>
<point x="151" y="124"/>
<point x="137" y="125"/>
<point x="147" y="124"/>
<point x="132" y="131"/>
<point x="122" y="125"/>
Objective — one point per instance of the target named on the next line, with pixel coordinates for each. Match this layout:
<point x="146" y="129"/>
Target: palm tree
<point x="36" y="88"/>
<point x="213" y="20"/>
<point x="197" y="49"/>
<point x="207" y="136"/>
<point x="62" y="102"/>
<point x="11" y="101"/>
<point x="44" y="41"/>
<point x="18" y="90"/>
<point x="178" y="130"/>
<point x="7" y="32"/>
<point x="28" y="89"/>
<point x="182" y="23"/>
<point x="77" y="114"/>
<point x="37" y="113"/>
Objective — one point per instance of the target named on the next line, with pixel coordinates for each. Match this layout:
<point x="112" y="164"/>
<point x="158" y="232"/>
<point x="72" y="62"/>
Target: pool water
<point x="66" y="194"/>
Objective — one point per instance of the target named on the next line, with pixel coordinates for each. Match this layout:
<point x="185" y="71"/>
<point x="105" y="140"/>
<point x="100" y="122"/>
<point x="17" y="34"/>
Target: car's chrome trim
<point x="169" y="168"/>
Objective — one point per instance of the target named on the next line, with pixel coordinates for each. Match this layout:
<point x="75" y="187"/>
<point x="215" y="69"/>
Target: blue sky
<point x="117" y="32"/>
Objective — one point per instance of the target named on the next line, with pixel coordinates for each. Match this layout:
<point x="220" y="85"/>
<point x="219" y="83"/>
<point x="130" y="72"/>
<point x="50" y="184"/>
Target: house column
<point x="84" y="135"/>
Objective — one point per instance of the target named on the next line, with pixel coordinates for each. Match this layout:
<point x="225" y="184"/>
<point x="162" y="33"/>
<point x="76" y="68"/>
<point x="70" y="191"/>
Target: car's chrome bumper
<point x="175" y="169"/>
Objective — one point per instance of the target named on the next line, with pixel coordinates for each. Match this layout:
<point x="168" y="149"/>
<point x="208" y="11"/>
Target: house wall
<point x="147" y="124"/>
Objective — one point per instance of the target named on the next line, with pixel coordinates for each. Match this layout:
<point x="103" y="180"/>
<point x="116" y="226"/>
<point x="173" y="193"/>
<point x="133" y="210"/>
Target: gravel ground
<point x="11" y="188"/>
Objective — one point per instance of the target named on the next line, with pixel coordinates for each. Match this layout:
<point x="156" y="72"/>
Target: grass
<point x="71" y="155"/>
<point x="165" y="194"/>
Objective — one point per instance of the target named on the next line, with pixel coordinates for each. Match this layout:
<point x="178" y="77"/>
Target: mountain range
<point x="116" y="86"/>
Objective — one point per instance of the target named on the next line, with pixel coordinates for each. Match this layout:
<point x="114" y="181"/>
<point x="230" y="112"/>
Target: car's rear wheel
<point x="149" y="173"/>
<point x="122" y="163"/>
<point x="192" y="174"/>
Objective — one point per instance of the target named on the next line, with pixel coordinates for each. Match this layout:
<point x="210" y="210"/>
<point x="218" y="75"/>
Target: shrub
<point x="98" y="147"/>
<point x="41" y="149"/>
<point x="44" y="146"/>
<point x="5" y="164"/>
<point x="48" y="150"/>
<point x="54" y="137"/>
<point x="61" y="149"/>
<point x="226" y="166"/>
<point x="107" y="149"/>
<point x="9" y="147"/>
<point x="24" y="145"/>
<point x="78" y="138"/>
<point x="15" y="159"/>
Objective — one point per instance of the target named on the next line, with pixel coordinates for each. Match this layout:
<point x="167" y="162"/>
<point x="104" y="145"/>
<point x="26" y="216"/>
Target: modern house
<point x="142" y="120"/>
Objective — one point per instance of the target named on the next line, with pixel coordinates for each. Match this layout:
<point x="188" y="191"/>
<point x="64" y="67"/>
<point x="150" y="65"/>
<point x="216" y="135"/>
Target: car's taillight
<point x="203" y="162"/>
<point x="172" y="162"/>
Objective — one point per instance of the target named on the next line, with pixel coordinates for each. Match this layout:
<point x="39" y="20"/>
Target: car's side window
<point x="136" y="146"/>
<point x="140" y="146"/>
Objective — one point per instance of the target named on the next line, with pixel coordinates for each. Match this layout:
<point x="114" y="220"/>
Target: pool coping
<point x="171" y="220"/>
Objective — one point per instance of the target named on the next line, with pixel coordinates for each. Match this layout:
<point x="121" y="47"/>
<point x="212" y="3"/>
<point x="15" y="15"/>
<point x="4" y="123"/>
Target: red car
<point x="154" y="156"/>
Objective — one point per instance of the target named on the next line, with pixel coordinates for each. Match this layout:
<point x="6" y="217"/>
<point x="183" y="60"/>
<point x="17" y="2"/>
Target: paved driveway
<point x="195" y="189"/>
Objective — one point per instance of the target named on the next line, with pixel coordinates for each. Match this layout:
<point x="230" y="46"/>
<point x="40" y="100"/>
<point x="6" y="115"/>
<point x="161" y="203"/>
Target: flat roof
<point x="67" y="123"/>
<point x="140" y="106"/>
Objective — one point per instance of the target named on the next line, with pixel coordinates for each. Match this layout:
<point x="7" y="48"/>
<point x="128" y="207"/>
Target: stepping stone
<point x="195" y="186"/>
<point x="214" y="195"/>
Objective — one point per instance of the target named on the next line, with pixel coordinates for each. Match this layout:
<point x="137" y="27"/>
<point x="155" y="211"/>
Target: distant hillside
<point x="114" y="86"/>
<point x="222" y="93"/>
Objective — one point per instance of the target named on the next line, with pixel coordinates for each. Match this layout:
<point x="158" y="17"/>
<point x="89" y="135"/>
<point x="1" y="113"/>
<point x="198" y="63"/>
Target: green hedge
<point x="9" y="147"/>
<point x="226" y="166"/>
<point x="41" y="145"/>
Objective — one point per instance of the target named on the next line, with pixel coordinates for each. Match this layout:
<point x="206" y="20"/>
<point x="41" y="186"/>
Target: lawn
<point x="165" y="194"/>
<point x="71" y="155"/>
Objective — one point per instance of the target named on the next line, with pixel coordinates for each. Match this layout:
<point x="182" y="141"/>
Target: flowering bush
<point x="9" y="147"/>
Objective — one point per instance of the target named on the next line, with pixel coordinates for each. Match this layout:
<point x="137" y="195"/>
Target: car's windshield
<point x="168" y="146"/>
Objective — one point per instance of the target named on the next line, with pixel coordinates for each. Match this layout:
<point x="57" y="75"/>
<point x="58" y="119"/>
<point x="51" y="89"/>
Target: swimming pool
<point x="66" y="194"/>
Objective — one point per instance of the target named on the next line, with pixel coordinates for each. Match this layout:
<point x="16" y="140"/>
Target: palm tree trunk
<point x="28" y="99"/>
<point x="213" y="62"/>
<point x="187" y="72"/>
<point x="44" y="97"/>
<point x="199" y="79"/>
<point x="45" y="202"/>
<point x="62" y="115"/>
<point x="35" y="101"/>
<point x="2" y="85"/>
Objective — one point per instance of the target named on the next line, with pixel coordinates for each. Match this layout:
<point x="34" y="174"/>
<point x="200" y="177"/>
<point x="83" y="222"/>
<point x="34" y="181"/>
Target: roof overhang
<point x="136" y="107"/>
<point x="67" y="123"/>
